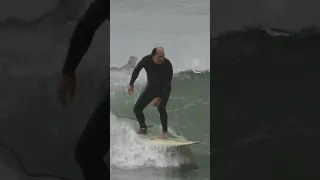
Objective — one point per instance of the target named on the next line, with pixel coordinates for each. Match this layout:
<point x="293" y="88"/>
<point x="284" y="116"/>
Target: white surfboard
<point x="170" y="142"/>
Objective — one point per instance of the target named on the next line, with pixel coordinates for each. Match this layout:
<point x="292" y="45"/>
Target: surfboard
<point x="170" y="142"/>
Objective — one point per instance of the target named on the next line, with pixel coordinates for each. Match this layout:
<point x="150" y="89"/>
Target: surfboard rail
<point x="170" y="142"/>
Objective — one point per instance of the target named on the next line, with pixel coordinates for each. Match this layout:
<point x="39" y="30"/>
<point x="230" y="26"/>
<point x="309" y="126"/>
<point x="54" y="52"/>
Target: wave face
<point x="188" y="118"/>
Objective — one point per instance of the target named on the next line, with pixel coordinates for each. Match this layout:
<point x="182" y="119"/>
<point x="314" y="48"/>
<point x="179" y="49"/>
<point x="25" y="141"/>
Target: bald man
<point x="159" y="74"/>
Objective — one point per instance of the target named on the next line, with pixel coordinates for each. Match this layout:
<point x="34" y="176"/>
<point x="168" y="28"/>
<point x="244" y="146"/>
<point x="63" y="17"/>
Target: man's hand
<point x="130" y="90"/>
<point x="156" y="102"/>
<point x="66" y="89"/>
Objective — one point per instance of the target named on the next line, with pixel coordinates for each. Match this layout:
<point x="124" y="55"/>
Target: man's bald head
<point x="158" y="54"/>
<point x="159" y="50"/>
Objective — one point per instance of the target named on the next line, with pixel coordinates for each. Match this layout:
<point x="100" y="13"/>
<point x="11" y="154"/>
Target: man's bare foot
<point x="164" y="135"/>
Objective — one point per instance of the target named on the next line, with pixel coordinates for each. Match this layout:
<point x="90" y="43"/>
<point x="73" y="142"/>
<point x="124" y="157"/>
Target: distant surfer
<point x="94" y="141"/>
<point x="128" y="67"/>
<point x="159" y="75"/>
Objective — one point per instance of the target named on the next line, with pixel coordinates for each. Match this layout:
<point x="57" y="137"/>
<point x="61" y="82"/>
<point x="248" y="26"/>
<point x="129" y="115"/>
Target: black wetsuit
<point x="159" y="85"/>
<point x="94" y="142"/>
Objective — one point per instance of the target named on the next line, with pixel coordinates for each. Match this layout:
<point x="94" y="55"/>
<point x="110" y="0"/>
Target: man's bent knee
<point x="137" y="110"/>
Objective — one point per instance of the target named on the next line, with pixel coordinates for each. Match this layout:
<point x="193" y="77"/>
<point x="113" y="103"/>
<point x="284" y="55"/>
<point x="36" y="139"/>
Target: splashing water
<point x="129" y="151"/>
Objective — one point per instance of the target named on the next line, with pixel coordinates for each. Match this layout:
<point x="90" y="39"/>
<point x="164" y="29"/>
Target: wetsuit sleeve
<point x="165" y="92"/>
<point x="137" y="70"/>
<point x="82" y="36"/>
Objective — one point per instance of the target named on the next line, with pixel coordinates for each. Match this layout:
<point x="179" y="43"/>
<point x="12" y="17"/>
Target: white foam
<point x="129" y="151"/>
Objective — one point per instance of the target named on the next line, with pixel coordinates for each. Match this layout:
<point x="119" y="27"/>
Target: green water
<point x="188" y="117"/>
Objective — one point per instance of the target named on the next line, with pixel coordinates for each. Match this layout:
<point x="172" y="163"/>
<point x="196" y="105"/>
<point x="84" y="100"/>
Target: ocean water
<point x="135" y="28"/>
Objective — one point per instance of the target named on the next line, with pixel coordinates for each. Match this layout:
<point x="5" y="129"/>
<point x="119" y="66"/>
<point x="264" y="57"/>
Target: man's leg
<point x="145" y="98"/>
<point x="163" y="112"/>
<point x="94" y="144"/>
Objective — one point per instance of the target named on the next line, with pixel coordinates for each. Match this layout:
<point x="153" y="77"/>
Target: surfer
<point x="159" y="74"/>
<point x="128" y="67"/>
<point x="93" y="144"/>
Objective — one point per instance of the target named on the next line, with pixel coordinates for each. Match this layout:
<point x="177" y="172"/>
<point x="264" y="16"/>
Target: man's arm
<point x="167" y="86"/>
<point x="82" y="36"/>
<point x="137" y="70"/>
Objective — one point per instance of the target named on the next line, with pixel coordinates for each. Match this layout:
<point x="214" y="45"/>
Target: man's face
<point x="159" y="57"/>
